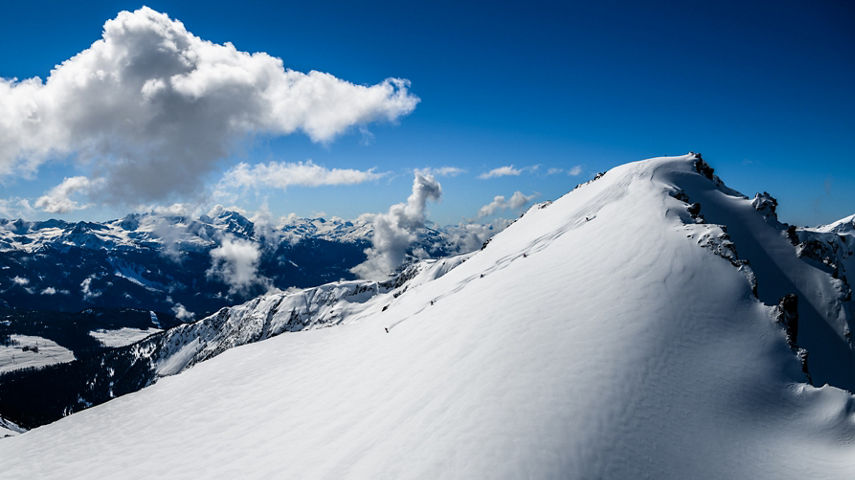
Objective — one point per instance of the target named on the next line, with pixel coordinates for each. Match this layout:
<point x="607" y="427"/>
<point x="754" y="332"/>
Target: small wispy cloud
<point x="517" y="200"/>
<point x="505" y="171"/>
<point x="15" y="207"/>
<point x="572" y="171"/>
<point x="441" y="171"/>
<point x="287" y="174"/>
<point x="508" y="171"/>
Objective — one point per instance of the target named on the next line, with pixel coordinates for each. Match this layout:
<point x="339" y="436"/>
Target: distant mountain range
<point x="163" y="262"/>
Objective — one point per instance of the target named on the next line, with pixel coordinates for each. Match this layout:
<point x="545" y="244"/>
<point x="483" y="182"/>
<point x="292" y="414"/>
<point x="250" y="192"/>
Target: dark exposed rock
<point x="792" y="236"/>
<point x="788" y="316"/>
<point x="703" y="167"/>
<point x="766" y="205"/>
<point x="694" y="209"/>
<point x="680" y="195"/>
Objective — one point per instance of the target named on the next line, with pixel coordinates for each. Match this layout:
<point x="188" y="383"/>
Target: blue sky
<point x="764" y="92"/>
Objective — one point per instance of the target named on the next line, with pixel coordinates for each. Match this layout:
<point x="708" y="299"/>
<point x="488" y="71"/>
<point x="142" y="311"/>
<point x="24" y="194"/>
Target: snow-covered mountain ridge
<point x="633" y="328"/>
<point x="118" y="371"/>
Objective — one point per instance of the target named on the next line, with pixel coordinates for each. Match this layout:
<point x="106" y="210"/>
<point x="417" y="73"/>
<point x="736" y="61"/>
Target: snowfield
<point x="26" y="351"/>
<point x="122" y="336"/>
<point x="614" y="333"/>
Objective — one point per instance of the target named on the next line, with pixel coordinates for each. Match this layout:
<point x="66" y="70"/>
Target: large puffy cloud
<point x="58" y="199"/>
<point x="395" y="230"/>
<point x="517" y="201"/>
<point x="152" y="108"/>
<point x="284" y="174"/>
<point x="235" y="262"/>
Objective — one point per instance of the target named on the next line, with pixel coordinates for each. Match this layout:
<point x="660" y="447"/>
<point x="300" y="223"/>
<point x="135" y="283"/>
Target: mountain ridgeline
<point x="652" y="320"/>
<point x="164" y="262"/>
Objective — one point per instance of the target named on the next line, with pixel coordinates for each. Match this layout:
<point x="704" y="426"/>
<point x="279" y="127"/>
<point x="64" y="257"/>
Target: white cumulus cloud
<point x="517" y="201"/>
<point x="58" y="199"/>
<point x="153" y="108"/>
<point x="575" y="171"/>
<point x="395" y="230"/>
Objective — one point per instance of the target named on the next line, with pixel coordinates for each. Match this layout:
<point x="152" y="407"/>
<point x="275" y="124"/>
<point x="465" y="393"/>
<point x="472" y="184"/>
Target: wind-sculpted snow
<point x="614" y="333"/>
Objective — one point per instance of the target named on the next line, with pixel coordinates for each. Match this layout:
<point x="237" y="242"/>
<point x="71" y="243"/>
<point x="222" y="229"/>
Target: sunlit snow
<point x="605" y="335"/>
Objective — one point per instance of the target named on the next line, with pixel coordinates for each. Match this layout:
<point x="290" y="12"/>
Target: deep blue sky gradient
<point x="766" y="91"/>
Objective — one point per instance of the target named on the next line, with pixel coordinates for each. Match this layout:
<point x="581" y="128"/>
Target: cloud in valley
<point x="151" y="109"/>
<point x="395" y="230"/>
<point x="235" y="262"/>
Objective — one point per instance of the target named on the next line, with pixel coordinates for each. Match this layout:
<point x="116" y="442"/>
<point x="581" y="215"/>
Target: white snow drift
<point x="609" y="334"/>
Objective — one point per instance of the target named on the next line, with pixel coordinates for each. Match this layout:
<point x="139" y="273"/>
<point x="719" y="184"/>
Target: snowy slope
<point x="610" y="334"/>
<point x="35" y="398"/>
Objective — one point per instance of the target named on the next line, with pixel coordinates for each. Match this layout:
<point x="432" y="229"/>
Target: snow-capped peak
<point x="624" y="329"/>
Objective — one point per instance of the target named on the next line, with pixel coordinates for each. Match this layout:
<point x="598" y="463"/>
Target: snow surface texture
<point x="122" y="336"/>
<point x="591" y="339"/>
<point x="26" y="351"/>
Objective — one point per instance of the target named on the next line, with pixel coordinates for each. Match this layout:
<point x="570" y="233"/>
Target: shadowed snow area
<point x="608" y="334"/>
